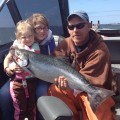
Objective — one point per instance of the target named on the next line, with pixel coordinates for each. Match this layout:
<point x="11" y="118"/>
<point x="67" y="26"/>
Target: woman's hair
<point x="37" y="18"/>
<point x="22" y="27"/>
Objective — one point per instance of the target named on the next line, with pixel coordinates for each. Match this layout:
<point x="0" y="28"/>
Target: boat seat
<point x="52" y="108"/>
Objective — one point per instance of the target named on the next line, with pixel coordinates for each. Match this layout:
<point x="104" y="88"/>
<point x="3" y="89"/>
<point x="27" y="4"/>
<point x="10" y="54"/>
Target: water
<point x="106" y="26"/>
<point x="7" y="35"/>
<point x="110" y="26"/>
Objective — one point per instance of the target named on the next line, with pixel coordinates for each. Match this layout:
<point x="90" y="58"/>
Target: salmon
<point x="47" y="68"/>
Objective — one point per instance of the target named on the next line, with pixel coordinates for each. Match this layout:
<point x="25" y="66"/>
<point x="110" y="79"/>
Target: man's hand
<point x="62" y="83"/>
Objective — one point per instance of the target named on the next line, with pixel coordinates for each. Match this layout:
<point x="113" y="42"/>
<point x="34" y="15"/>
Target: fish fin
<point x="76" y="92"/>
<point x="99" y="96"/>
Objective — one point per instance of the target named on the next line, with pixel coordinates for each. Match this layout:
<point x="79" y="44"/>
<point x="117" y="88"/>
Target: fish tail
<point x="98" y="97"/>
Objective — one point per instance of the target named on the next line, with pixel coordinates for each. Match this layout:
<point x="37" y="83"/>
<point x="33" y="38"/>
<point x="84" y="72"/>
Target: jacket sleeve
<point x="97" y="68"/>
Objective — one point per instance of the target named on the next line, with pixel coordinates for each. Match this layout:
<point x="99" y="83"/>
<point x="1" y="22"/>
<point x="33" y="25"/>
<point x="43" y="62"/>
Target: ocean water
<point x="110" y="26"/>
<point x="7" y="35"/>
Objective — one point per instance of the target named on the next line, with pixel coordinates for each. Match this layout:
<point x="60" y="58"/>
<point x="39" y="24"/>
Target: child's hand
<point x="15" y="68"/>
<point x="9" y="71"/>
<point x="18" y="69"/>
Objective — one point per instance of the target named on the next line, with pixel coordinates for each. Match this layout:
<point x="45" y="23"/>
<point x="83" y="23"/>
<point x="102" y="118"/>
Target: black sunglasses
<point x="78" y="26"/>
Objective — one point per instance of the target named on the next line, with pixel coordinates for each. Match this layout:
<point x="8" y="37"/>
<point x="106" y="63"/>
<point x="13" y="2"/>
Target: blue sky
<point x="107" y="11"/>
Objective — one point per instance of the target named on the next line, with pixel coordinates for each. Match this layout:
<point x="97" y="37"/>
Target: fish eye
<point x="24" y="63"/>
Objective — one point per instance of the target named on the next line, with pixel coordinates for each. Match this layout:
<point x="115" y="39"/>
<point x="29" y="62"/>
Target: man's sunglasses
<point x="78" y="26"/>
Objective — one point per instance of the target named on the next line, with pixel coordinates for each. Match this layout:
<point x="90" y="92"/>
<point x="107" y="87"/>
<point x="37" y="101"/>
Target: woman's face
<point x="41" y="32"/>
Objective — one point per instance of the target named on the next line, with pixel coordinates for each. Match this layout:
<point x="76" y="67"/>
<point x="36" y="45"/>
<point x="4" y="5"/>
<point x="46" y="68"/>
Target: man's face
<point x="78" y="30"/>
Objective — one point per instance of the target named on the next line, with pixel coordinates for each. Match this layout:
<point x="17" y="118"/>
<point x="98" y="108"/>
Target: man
<point x="90" y="56"/>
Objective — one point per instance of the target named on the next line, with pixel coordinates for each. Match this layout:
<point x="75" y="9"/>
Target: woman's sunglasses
<point x="78" y="26"/>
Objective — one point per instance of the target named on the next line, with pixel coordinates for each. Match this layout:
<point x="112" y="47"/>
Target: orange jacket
<point x="80" y="103"/>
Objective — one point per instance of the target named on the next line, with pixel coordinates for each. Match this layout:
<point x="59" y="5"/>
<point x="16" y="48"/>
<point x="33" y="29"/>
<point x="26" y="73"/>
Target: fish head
<point x="20" y="57"/>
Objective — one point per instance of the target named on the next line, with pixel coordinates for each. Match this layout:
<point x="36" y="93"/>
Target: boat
<point x="11" y="11"/>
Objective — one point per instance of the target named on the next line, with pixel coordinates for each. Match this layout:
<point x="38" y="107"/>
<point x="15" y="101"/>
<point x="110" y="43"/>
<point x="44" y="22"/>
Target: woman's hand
<point x="62" y="83"/>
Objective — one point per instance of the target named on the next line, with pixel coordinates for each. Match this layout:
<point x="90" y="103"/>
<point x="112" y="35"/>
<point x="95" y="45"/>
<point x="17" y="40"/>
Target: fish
<point x="47" y="68"/>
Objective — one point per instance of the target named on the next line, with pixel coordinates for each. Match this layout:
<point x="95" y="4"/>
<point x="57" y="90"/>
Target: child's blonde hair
<point x="22" y="27"/>
<point x="37" y="18"/>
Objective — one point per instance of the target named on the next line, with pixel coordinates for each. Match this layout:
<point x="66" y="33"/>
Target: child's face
<point x="27" y="38"/>
<point x="41" y="32"/>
